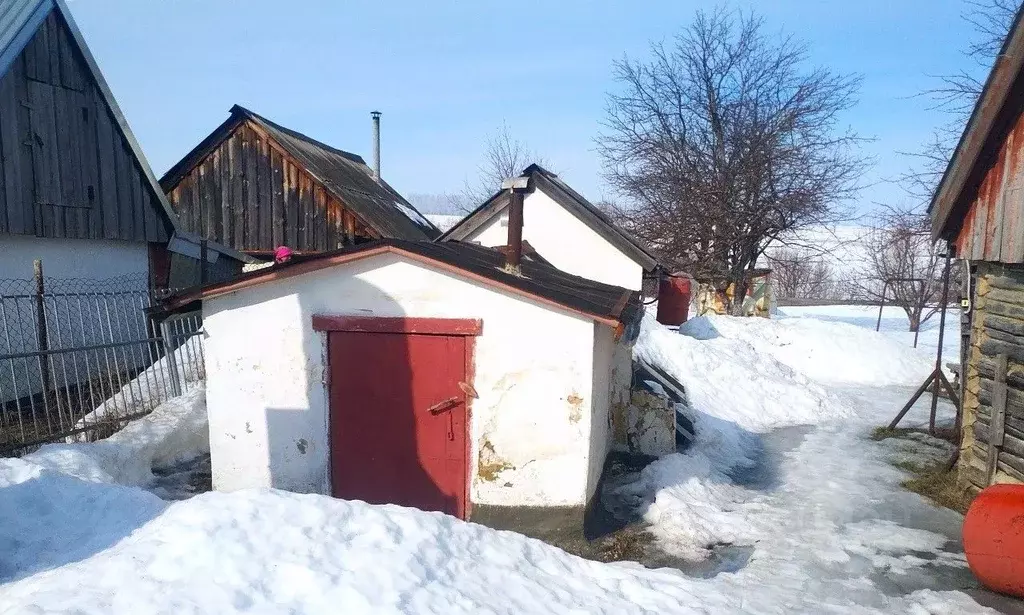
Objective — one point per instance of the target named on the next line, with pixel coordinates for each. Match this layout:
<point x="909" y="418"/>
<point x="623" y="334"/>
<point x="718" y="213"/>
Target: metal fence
<point x="80" y="358"/>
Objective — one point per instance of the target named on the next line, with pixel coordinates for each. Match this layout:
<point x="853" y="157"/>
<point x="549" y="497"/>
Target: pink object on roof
<point x="282" y="253"/>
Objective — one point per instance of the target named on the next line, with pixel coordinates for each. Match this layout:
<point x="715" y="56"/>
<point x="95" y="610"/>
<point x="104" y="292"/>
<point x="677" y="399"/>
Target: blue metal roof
<point x="19" y="20"/>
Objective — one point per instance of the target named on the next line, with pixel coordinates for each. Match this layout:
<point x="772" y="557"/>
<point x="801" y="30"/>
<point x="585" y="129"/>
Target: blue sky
<point x="446" y="74"/>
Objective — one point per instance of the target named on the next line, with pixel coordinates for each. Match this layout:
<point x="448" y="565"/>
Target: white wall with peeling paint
<point x="564" y="241"/>
<point x="532" y="425"/>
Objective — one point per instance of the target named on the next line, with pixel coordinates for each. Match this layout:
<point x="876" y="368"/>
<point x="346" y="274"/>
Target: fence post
<point x="172" y="367"/>
<point x="42" y="341"/>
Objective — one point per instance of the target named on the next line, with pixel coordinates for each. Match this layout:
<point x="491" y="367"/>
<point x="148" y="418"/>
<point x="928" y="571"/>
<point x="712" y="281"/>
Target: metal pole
<point x="41" y="335"/>
<point x="881" y="306"/>
<point x="942" y="332"/>
<point x="172" y="367"/>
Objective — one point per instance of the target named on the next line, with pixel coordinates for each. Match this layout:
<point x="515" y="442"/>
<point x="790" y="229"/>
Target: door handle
<point x="443" y="406"/>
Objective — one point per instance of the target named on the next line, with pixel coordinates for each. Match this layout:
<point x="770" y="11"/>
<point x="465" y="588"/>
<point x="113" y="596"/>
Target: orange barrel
<point x="673" y="299"/>
<point x="994" y="538"/>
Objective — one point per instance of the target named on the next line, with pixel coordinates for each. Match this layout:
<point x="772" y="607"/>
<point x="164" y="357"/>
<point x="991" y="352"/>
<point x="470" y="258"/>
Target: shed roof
<point x="19" y="21"/>
<point x="950" y="201"/>
<point x="564" y="195"/>
<point x="601" y="302"/>
<point x="343" y="174"/>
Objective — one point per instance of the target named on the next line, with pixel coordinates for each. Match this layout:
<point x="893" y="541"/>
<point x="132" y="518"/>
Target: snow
<point x="153" y="383"/>
<point x="64" y="502"/>
<point x="413" y="215"/>
<point x="444" y="222"/>
<point x="173" y="432"/>
<point x="826" y="352"/>
<point x="781" y="472"/>
<point x="729" y="380"/>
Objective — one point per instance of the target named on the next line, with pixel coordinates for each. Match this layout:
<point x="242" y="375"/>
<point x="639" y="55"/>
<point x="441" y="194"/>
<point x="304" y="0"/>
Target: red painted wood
<point x="400" y="324"/>
<point x="386" y="447"/>
<point x="673" y="300"/>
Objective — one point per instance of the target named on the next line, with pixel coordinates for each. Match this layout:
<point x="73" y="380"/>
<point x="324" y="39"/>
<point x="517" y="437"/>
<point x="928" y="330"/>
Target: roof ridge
<point x="353" y="157"/>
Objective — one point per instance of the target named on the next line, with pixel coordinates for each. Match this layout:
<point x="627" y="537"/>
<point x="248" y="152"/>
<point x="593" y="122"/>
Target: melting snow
<point x="413" y="215"/>
<point x="818" y="510"/>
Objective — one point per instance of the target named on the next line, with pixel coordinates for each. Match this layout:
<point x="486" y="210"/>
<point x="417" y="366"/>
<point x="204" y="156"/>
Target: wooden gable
<point x="249" y="194"/>
<point x="68" y="168"/>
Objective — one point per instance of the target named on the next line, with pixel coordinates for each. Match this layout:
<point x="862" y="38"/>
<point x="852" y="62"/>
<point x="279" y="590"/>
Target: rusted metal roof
<point x="981" y="150"/>
<point x="343" y="174"/>
<point x="572" y="201"/>
<point x="601" y="302"/>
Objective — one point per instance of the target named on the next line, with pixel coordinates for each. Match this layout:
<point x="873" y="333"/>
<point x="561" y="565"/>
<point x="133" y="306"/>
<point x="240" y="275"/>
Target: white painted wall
<point x="64" y="259"/>
<point x="71" y="258"/>
<point x="565" y="241"/>
<point x="268" y="408"/>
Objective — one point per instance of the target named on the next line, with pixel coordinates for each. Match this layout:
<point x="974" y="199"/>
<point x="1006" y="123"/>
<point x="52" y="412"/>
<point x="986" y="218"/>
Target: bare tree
<point x="906" y="265"/>
<point x="504" y="157"/>
<point x="723" y="141"/>
<point x="956" y="93"/>
<point x="798" y="275"/>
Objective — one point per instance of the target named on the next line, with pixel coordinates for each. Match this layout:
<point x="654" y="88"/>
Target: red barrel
<point x="994" y="538"/>
<point x="673" y="300"/>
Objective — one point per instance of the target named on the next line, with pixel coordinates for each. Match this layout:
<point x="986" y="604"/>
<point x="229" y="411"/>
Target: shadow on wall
<point x="368" y="435"/>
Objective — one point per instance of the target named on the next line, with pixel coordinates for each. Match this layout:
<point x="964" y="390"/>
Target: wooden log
<point x="987" y="369"/>
<point x="1012" y="326"/>
<point x="1002" y="295"/>
<point x="1006" y="279"/>
<point x="973" y="473"/>
<point x="994" y="348"/>
<point x="1013" y="466"/>
<point x="996" y="433"/>
<point x="1014" y="405"/>
<point x="999" y="308"/>
<point x="1012" y="444"/>
<point x="1012" y="425"/>
<point x="1003" y="336"/>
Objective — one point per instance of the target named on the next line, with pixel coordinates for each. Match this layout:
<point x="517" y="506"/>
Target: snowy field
<point x="800" y="511"/>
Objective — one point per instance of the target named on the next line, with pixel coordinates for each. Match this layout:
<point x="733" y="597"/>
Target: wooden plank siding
<point x="262" y="198"/>
<point x="992" y="227"/>
<point x="66" y="169"/>
<point x="997" y="328"/>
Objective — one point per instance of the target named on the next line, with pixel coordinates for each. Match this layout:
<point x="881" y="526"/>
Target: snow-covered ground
<point x="782" y="474"/>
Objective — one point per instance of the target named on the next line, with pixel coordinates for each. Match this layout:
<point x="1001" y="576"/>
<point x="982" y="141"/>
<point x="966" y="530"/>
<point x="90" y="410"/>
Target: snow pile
<point x="66" y="501"/>
<point x="155" y="382"/>
<point x="175" y="431"/>
<point x="269" y="551"/>
<point x="732" y="381"/>
<point x="827" y="352"/>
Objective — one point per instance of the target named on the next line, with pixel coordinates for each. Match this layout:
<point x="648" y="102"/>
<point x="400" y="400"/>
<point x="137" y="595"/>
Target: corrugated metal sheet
<point x="347" y="177"/>
<point x="993" y="226"/>
<point x="18" y="21"/>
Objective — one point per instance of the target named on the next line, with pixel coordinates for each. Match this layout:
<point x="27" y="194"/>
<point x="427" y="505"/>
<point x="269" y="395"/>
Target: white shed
<point x="416" y="373"/>
<point x="563" y="228"/>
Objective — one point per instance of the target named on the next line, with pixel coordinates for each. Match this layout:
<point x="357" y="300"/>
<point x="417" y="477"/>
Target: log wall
<point x="997" y="327"/>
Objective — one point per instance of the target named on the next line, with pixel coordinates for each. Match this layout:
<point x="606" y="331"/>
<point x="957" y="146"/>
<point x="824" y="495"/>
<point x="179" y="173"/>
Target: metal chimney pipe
<point x="376" y="145"/>
<point x="517" y="188"/>
<point x="514" y="252"/>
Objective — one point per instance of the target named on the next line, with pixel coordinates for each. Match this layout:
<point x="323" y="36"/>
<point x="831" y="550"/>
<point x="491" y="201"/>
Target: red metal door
<point x="398" y="419"/>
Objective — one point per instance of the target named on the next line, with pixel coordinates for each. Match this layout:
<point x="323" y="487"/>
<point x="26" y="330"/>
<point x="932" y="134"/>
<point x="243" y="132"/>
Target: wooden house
<point x="76" y="191"/>
<point x="564" y="228"/>
<point x="254" y="185"/>
<point x="979" y="208"/>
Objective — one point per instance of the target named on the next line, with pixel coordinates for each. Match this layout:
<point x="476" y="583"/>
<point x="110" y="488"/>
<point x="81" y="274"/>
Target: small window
<point x="504" y="221"/>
